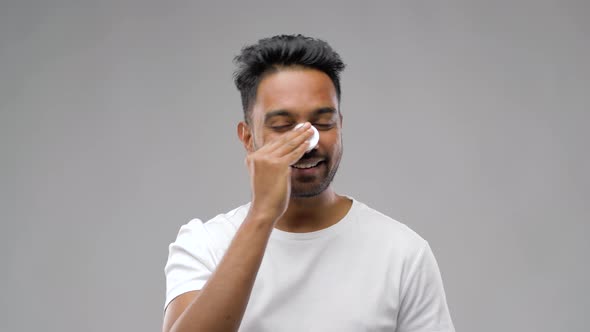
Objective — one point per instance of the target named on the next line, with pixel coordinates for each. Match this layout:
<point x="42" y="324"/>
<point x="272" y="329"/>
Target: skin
<point x="282" y="197"/>
<point x="305" y="95"/>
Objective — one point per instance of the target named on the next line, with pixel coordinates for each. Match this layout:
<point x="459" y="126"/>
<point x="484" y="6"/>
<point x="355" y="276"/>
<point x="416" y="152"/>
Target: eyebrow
<point x="317" y="112"/>
<point x="325" y="110"/>
<point x="272" y="114"/>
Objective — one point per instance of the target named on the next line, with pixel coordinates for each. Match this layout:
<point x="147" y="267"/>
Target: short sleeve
<point x="423" y="306"/>
<point x="190" y="262"/>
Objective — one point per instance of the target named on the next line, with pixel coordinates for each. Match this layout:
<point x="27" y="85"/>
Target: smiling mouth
<point x="307" y="165"/>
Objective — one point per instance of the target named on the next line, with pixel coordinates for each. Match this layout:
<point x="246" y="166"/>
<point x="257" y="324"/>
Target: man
<point x="299" y="257"/>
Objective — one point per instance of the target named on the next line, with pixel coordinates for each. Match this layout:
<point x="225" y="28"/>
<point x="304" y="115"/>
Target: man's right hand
<point x="221" y="303"/>
<point x="270" y="172"/>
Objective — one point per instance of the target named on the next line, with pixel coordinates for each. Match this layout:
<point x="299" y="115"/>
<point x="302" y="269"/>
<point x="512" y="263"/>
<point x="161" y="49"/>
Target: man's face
<point x="291" y="96"/>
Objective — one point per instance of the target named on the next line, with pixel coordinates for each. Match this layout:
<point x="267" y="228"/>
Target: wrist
<point x="262" y="216"/>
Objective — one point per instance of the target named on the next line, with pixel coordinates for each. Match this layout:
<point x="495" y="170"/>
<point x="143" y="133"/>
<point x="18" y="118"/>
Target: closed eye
<point x="281" y="128"/>
<point x="322" y="126"/>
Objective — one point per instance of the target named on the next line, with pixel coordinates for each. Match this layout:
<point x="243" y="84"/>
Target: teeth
<point x="303" y="166"/>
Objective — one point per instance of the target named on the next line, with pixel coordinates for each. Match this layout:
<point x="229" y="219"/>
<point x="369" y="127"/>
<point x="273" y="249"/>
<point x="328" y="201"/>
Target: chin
<point x="308" y="192"/>
<point x="312" y="188"/>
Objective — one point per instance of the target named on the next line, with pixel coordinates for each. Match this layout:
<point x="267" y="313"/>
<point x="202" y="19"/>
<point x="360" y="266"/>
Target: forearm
<point x="221" y="304"/>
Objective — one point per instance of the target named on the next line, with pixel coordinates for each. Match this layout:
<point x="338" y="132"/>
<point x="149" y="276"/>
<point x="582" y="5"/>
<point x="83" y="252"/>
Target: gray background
<point x="468" y="121"/>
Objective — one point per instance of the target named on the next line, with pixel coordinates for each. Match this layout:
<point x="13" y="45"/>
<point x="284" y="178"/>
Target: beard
<point x="304" y="187"/>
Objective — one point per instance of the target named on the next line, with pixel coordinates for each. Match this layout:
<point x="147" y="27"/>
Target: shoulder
<point x="217" y="231"/>
<point x="389" y="231"/>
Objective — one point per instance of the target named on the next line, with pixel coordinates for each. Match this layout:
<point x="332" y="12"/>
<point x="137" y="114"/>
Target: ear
<point x="245" y="135"/>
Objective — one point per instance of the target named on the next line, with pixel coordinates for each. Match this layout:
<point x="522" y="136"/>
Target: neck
<point x="308" y="214"/>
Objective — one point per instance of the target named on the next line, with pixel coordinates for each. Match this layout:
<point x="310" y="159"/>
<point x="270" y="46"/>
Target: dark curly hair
<point x="270" y="54"/>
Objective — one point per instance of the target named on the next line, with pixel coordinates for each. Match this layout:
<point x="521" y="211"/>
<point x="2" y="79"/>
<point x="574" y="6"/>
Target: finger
<point x="294" y="143"/>
<point x="293" y="156"/>
<point x="288" y="137"/>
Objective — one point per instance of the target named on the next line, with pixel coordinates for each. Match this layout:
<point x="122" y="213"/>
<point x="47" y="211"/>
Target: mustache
<point x="312" y="155"/>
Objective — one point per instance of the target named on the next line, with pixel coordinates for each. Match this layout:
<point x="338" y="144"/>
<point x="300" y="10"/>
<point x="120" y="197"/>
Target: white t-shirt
<point x="367" y="272"/>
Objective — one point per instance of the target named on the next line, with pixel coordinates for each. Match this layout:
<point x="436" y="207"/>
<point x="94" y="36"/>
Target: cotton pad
<point x="313" y="141"/>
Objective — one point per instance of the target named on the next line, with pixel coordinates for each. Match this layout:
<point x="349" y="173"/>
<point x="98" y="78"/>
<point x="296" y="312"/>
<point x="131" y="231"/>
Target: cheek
<point x="267" y="136"/>
<point x="330" y="140"/>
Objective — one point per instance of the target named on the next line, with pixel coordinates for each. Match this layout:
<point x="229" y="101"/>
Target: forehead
<point x="296" y="90"/>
